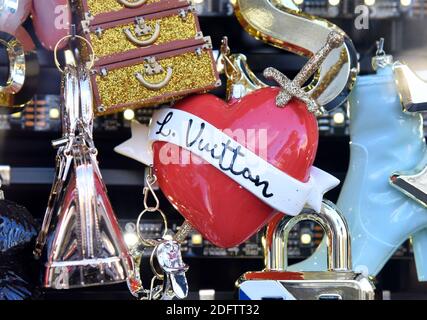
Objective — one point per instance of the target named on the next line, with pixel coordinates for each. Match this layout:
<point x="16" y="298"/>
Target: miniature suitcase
<point x="155" y="75"/>
<point x="148" y="55"/>
<point x="142" y="27"/>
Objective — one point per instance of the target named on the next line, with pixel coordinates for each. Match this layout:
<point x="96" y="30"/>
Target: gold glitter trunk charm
<point x="148" y="53"/>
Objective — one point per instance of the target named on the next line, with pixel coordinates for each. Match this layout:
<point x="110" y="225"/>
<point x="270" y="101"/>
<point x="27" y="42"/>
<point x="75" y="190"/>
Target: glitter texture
<point x="183" y="232"/>
<point x="294" y="88"/>
<point x="289" y="90"/>
<point x="102" y="6"/>
<point x="120" y="86"/>
<point x="5" y="100"/>
<point x="172" y="28"/>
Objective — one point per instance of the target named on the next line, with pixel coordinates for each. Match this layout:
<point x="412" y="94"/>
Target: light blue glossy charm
<point x="384" y="140"/>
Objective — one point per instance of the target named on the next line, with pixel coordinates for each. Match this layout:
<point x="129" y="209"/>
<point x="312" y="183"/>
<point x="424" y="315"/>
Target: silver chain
<point x="155" y="292"/>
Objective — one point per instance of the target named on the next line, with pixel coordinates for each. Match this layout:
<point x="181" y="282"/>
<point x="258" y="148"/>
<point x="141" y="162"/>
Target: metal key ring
<point x="152" y="288"/>
<point x="24" y="69"/>
<point x="55" y="51"/>
<point x="16" y="55"/>
<point x="151" y="242"/>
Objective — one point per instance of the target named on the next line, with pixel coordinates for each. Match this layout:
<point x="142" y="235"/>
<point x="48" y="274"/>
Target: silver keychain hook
<point x="380" y="47"/>
<point x="381" y="59"/>
<point x="150" y="180"/>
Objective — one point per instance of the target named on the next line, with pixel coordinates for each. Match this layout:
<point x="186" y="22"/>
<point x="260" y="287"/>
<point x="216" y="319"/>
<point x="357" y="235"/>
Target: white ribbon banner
<point x="268" y="183"/>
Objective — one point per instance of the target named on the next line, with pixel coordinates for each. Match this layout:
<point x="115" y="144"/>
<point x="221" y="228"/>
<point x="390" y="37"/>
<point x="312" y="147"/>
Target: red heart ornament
<point x="218" y="207"/>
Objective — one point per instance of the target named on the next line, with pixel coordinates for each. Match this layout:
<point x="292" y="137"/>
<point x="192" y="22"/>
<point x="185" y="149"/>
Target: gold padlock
<point x="338" y="283"/>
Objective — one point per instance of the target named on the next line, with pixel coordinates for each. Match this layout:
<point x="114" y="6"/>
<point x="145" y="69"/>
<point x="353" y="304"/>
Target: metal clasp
<point x="132" y="4"/>
<point x="141" y="28"/>
<point x="152" y="67"/>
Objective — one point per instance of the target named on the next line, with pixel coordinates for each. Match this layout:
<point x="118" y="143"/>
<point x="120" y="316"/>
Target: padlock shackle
<point x="336" y="231"/>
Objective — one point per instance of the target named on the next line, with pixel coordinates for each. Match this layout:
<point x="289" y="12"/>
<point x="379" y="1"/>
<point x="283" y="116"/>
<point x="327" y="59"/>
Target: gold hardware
<point x="199" y="35"/>
<point x="183" y="232"/>
<point x="98" y="32"/>
<point x="151" y="242"/>
<point x="180" y="236"/>
<point x="132" y="4"/>
<point x="152" y="67"/>
<point x="17" y="66"/>
<point x="142" y="29"/>
<point x="337" y="235"/>
<point x="155" y="292"/>
<point x="240" y="78"/>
